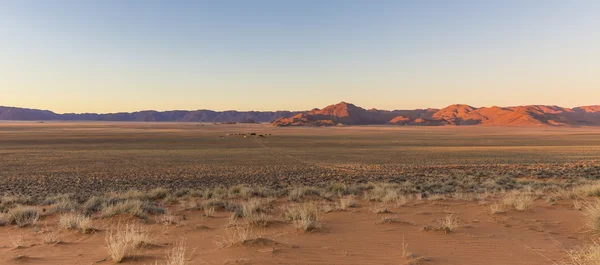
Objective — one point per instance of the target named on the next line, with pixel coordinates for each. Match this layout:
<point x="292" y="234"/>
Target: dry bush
<point x="17" y="242"/>
<point x="92" y="205"/>
<point x="520" y="201"/>
<point x="76" y="221"/>
<point x="51" y="237"/>
<point x="381" y="210"/>
<point x="158" y="193"/>
<point x="449" y="223"/>
<point x="436" y="197"/>
<point x="190" y="204"/>
<point x="304" y="217"/>
<point x="23" y="216"/>
<point x="253" y="212"/>
<point x="123" y="241"/>
<point x="296" y="194"/>
<point x="167" y="219"/>
<point x="256" y="219"/>
<point x="592" y="190"/>
<point x="577" y="205"/>
<point x="176" y="256"/>
<point x="133" y="207"/>
<point x="235" y="234"/>
<point x="496" y="208"/>
<point x="209" y="211"/>
<point x="382" y="193"/>
<point x="10" y="201"/>
<point x="348" y="202"/>
<point x="63" y="205"/>
<point x="592" y="215"/>
<point x="3" y="220"/>
<point x="588" y="255"/>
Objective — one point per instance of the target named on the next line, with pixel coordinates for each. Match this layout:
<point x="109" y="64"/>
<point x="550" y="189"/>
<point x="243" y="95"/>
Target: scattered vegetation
<point x="449" y="223"/>
<point x="176" y="256"/>
<point x="588" y="255"/>
<point x="23" y="216"/>
<point x="123" y="241"/>
<point x="496" y="208"/>
<point x="520" y="201"/>
<point x="304" y="217"/>
<point x="76" y="221"/>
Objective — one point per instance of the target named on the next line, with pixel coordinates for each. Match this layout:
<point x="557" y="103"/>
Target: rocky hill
<point x="345" y="113"/>
<point x="534" y="115"/>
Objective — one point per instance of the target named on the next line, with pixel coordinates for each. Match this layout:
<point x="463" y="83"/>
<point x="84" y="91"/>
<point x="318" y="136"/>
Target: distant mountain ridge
<point x="13" y="113"/>
<point x="459" y="114"/>
<point x="345" y="113"/>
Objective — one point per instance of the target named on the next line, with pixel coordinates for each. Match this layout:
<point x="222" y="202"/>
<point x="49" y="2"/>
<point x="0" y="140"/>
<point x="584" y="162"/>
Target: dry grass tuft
<point x="167" y="219"/>
<point x="3" y="220"/>
<point x="496" y="208"/>
<point x="17" y="242"/>
<point x="588" y="255"/>
<point x="520" y="201"/>
<point x="449" y="224"/>
<point x="23" y="216"/>
<point x="304" y="217"/>
<point x="76" y="221"/>
<point x="381" y="210"/>
<point x="123" y="241"/>
<point x="592" y="216"/>
<point x="577" y="205"/>
<point x="209" y="211"/>
<point x="51" y="238"/>
<point x="235" y="234"/>
<point x="348" y="202"/>
<point x="176" y="256"/>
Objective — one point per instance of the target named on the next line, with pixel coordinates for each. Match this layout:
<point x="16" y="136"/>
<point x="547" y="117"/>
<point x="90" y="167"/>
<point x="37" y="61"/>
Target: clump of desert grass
<point x="592" y="190"/>
<point x="592" y="216"/>
<point x="382" y="209"/>
<point x="235" y="233"/>
<point x="76" y="221"/>
<point x="587" y="255"/>
<point x="449" y="223"/>
<point x="10" y="201"/>
<point x="577" y="205"/>
<point x="496" y="208"/>
<point x="167" y="219"/>
<point x="16" y="241"/>
<point x="23" y="216"/>
<point x="297" y="193"/>
<point x="209" y="211"/>
<point x="51" y="237"/>
<point x="348" y="202"/>
<point x="254" y="212"/>
<point x="519" y="200"/>
<point x="133" y="207"/>
<point x="61" y="204"/>
<point x="304" y="217"/>
<point x="124" y="241"/>
<point x="176" y="255"/>
<point x="3" y="220"/>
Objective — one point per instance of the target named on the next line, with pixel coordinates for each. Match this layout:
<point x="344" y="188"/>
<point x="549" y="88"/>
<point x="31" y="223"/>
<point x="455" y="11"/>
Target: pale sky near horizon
<point x="118" y="55"/>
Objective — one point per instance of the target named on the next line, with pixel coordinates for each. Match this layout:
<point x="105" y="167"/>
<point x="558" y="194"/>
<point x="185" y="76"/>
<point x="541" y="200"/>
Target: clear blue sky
<point x="108" y="56"/>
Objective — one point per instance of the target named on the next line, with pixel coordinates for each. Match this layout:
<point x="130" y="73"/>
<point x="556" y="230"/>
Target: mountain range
<point x="534" y="115"/>
<point x="345" y="114"/>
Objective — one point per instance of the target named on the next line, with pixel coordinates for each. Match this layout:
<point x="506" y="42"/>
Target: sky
<point x="129" y="55"/>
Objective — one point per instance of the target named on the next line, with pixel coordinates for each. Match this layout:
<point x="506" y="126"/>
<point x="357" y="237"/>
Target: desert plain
<point x="200" y="193"/>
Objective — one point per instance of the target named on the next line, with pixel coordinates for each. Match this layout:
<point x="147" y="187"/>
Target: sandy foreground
<point x="407" y="234"/>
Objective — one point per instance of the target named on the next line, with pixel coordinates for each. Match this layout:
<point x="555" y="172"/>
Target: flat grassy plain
<point x="41" y="159"/>
<point x="187" y="193"/>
